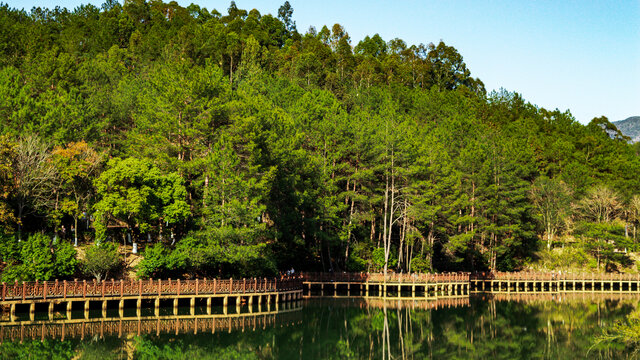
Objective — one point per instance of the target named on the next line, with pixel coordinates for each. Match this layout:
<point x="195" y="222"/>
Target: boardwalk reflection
<point x="532" y="298"/>
<point x="391" y="303"/>
<point x="63" y="329"/>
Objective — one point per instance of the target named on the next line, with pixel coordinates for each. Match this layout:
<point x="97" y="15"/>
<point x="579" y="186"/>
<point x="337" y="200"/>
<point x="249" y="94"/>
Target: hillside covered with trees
<point x="229" y="142"/>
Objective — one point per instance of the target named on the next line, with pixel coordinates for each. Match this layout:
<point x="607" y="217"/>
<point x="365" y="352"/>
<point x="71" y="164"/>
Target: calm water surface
<point x="560" y="327"/>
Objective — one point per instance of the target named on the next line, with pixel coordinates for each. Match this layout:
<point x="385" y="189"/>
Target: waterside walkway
<point x="460" y="284"/>
<point x="61" y="295"/>
<point x="107" y="291"/>
<point x="553" y="282"/>
<point x="377" y="284"/>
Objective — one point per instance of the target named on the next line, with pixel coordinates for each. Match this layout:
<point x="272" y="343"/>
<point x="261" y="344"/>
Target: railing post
<point x="4" y="290"/>
<point x="159" y="287"/>
<point x="178" y="287"/>
<point x="24" y="290"/>
<point x="244" y="285"/>
<point x="215" y="289"/>
<point x="64" y="286"/>
<point x="84" y="289"/>
<point x="196" y="286"/>
<point x="140" y="288"/>
<point x="121" y="288"/>
<point x="104" y="285"/>
<point x="44" y="292"/>
<point x="230" y="285"/>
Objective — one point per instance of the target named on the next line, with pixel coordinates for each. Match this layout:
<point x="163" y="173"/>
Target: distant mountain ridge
<point x="630" y="127"/>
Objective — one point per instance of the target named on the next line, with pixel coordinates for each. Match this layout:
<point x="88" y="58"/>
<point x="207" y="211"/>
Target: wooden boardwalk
<point x="435" y="286"/>
<point x="87" y="292"/>
<point x="249" y="291"/>
<point x="377" y="284"/>
<point x="536" y="282"/>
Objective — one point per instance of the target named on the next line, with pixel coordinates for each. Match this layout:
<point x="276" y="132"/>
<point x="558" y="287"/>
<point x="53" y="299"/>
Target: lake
<point x="535" y="326"/>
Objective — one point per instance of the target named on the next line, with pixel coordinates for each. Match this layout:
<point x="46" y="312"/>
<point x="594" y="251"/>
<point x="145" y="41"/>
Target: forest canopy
<point x="226" y="142"/>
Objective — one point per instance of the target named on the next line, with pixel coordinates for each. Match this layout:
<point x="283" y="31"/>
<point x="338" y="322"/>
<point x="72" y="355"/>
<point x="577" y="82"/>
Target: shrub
<point x="359" y="258"/>
<point x="154" y="262"/>
<point x="41" y="260"/>
<point x="101" y="259"/>
<point x="420" y="265"/>
<point x="205" y="254"/>
<point x="377" y="258"/>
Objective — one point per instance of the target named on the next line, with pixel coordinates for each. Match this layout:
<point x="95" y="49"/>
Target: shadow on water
<point x="505" y="327"/>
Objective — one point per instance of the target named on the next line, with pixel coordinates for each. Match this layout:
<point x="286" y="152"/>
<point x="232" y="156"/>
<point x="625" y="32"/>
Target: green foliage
<point x="606" y="242"/>
<point x="208" y="254"/>
<point x="157" y="260"/>
<point x="101" y="259"/>
<point x="568" y="258"/>
<point x="377" y="259"/>
<point x="358" y="259"/>
<point x="76" y="165"/>
<point x="623" y="332"/>
<point x="135" y="193"/>
<point x="420" y="265"/>
<point x="42" y="260"/>
<point x="46" y="349"/>
<point x="551" y="199"/>
<point x="9" y="248"/>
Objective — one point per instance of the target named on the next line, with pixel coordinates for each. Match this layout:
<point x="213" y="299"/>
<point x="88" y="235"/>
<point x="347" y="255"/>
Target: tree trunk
<point x="402" y="235"/>
<point x="387" y="250"/>
<point x="223" y="203"/>
<point x="410" y="258"/>
<point x="231" y="70"/>
<point x="430" y="239"/>
<point x="346" y="254"/>
<point x="473" y="204"/>
<point x="20" y="210"/>
<point x="372" y="234"/>
<point x="384" y="221"/>
<point x="75" y="228"/>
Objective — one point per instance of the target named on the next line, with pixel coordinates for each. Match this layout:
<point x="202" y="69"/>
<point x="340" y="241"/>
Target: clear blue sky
<point x="578" y="55"/>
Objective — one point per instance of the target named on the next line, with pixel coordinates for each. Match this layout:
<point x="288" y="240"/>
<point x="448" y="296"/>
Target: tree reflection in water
<point x="354" y="328"/>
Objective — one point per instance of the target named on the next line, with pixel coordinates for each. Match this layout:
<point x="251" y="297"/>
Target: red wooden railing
<point x="380" y="278"/>
<point x="554" y="276"/>
<point x="120" y="288"/>
<point x="462" y="277"/>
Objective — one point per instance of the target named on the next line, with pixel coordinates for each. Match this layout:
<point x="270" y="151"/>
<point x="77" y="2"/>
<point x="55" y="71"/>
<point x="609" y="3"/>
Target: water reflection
<point x="517" y="327"/>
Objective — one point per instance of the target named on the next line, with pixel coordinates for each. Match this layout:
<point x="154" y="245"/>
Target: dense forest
<point x="231" y="143"/>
